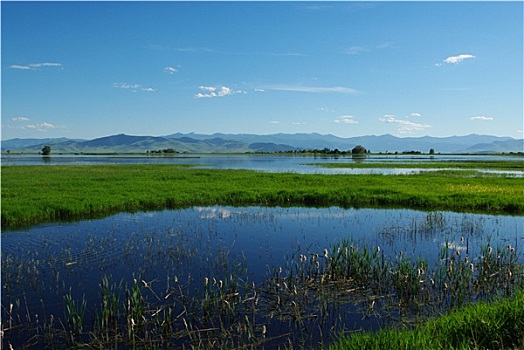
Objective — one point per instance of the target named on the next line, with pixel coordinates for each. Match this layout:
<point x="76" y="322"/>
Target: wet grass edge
<point x="481" y="325"/>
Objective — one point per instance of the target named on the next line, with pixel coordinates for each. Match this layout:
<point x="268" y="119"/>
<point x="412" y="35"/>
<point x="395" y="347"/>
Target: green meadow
<point x="37" y="194"/>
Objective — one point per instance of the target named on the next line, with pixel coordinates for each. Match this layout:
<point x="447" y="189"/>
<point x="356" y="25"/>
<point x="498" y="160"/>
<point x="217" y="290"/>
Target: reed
<point x="230" y="312"/>
<point x="74" y="316"/>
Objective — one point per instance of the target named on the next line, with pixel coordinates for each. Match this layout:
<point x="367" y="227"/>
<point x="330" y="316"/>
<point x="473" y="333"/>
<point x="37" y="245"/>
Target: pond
<point x="236" y="276"/>
<point x="301" y="164"/>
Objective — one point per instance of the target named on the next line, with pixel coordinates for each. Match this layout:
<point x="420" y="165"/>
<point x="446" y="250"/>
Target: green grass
<point x="37" y="194"/>
<point x="498" y="325"/>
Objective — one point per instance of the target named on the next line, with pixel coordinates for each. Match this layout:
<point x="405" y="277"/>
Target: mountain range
<point x="241" y="143"/>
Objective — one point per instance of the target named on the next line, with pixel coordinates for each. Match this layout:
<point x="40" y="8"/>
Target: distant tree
<point x="46" y="150"/>
<point x="431" y="151"/>
<point x="358" y="150"/>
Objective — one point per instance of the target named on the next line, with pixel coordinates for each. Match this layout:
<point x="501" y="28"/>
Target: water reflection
<point x="258" y="246"/>
<point x="267" y="163"/>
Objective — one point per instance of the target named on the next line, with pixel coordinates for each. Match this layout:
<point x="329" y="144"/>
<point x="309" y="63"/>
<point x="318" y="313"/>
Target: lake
<point x="267" y="163"/>
<point x="265" y="276"/>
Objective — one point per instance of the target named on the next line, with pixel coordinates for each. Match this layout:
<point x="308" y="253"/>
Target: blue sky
<point x="92" y="69"/>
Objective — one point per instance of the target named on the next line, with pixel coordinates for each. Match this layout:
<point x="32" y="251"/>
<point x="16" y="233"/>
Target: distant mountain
<point x="241" y="143"/>
<point x="497" y="147"/>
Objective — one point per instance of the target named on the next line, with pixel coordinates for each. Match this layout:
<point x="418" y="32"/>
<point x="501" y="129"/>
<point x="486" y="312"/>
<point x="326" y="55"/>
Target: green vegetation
<point x="35" y="194"/>
<point x="223" y="309"/>
<point x="480" y="326"/>
<point x="46" y="150"/>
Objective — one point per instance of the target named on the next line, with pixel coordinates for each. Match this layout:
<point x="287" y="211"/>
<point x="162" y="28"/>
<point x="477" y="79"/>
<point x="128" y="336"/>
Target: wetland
<point x="173" y="256"/>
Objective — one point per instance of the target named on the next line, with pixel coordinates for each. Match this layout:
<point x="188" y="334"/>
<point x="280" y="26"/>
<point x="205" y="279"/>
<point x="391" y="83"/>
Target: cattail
<point x="325" y="253"/>
<point x="490" y="250"/>
<point x="472" y="267"/>
<point x="462" y="239"/>
<point x="220" y="284"/>
<point x="458" y="252"/>
<point x="206" y="281"/>
<point x="264" y="330"/>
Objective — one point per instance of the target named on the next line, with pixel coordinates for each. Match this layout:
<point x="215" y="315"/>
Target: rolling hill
<point x="241" y="143"/>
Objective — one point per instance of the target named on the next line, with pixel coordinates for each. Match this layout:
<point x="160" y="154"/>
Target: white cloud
<point x="170" y="70"/>
<point x="125" y="86"/>
<point x="224" y="91"/>
<point x="134" y="87"/>
<point x="43" y="127"/>
<point x="20" y="119"/>
<point x="33" y="66"/>
<point x="481" y="117"/>
<point x="46" y="64"/>
<point x="405" y="126"/>
<point x="211" y="91"/>
<point x="17" y="66"/>
<point x="456" y="59"/>
<point x="346" y="119"/>
<point x="415" y="115"/>
<point x="312" y="89"/>
<point x="274" y="122"/>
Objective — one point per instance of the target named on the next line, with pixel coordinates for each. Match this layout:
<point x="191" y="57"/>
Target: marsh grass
<point x="483" y="325"/>
<point x="228" y="311"/>
<point x="36" y="194"/>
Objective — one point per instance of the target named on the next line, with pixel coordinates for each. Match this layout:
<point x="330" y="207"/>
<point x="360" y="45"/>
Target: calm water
<point x="268" y="163"/>
<point x="42" y="264"/>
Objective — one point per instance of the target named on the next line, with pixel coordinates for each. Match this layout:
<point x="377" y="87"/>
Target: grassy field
<point x="480" y="326"/>
<point x="37" y="194"/>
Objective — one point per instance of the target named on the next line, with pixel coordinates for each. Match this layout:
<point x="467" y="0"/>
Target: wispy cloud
<point x="20" y="119"/>
<point x="211" y="91"/>
<point x="133" y="87"/>
<point x="481" y="117"/>
<point x="455" y="59"/>
<point x="355" y="50"/>
<point x="404" y="126"/>
<point x="346" y="119"/>
<point x="42" y="127"/>
<point x="34" y="66"/>
<point x="170" y="70"/>
<point x="312" y="89"/>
